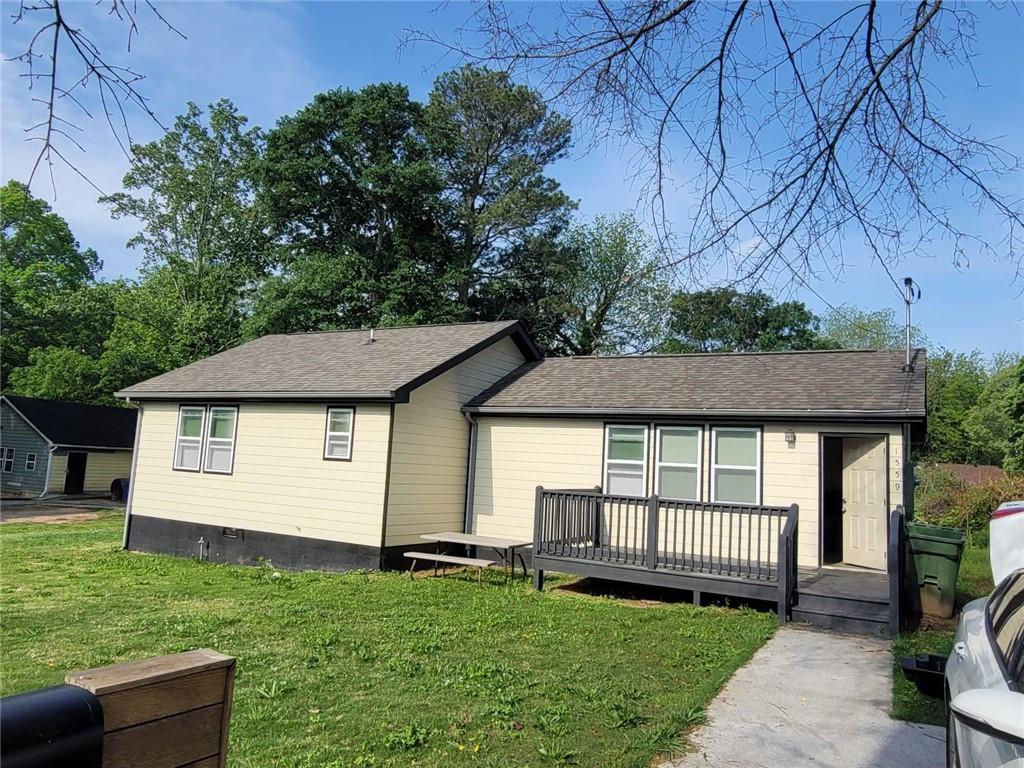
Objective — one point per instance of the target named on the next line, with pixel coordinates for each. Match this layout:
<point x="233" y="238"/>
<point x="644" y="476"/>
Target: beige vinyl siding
<point x="515" y="455"/>
<point x="101" y="468"/>
<point x="280" y="483"/>
<point x="427" y="491"/>
<point x="790" y="473"/>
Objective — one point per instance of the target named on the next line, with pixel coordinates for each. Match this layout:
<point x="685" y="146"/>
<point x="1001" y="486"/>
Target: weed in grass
<point x="406" y="738"/>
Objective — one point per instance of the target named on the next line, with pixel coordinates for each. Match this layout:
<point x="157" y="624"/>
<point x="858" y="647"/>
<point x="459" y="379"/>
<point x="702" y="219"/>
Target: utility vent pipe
<point x="371" y="337"/>
<point x="911" y="295"/>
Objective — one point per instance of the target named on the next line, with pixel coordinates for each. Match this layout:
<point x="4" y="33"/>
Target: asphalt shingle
<point x="63" y="423"/>
<point x="328" y="363"/>
<point x="833" y="382"/>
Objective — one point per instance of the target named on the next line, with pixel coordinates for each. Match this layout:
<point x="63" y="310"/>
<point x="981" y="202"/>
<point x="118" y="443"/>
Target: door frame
<point x="67" y="470"/>
<point x="821" y="482"/>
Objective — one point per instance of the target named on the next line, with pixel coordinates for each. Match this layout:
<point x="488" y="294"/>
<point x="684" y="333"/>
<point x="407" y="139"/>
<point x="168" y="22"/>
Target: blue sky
<point x="270" y="58"/>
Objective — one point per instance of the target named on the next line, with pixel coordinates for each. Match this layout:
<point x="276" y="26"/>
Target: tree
<point x="613" y="297"/>
<point x="725" y="320"/>
<point x="800" y="126"/>
<point x="493" y="140"/>
<point x="354" y="197"/>
<point x="205" y="241"/>
<point x="988" y="425"/>
<point x="955" y="382"/>
<point x="60" y="373"/>
<point x="1014" y="461"/>
<point x="847" y="327"/>
<point x="44" y="276"/>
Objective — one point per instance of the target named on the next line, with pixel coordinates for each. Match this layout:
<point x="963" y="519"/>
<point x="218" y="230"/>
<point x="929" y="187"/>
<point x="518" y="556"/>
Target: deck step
<point x="875" y="610"/>
<point x="848" y="624"/>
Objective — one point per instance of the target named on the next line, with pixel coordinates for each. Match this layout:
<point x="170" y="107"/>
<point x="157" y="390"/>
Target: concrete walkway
<point x="811" y="698"/>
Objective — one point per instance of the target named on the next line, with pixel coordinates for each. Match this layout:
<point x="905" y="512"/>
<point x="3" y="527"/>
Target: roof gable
<point x="332" y="364"/>
<point x="76" y="424"/>
<point x="786" y="384"/>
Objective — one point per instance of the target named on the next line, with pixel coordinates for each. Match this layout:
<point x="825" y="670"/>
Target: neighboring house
<point x="53" y="447"/>
<point x="973" y="474"/>
<point x="340" y="449"/>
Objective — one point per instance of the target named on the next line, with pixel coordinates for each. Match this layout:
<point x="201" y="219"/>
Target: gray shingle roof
<point x="331" y="364"/>
<point x="781" y="383"/>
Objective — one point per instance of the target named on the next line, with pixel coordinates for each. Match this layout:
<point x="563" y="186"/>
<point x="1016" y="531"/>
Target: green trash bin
<point x="933" y="565"/>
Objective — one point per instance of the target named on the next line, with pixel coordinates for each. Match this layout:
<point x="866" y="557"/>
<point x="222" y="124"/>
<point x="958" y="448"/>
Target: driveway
<point x="54" y="509"/>
<point x="810" y="698"/>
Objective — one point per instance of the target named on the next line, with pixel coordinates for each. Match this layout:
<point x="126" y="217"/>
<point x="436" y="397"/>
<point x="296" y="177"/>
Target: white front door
<point x="864" y="536"/>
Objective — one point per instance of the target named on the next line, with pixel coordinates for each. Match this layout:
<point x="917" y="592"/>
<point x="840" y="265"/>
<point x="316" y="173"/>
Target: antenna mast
<point x="911" y="295"/>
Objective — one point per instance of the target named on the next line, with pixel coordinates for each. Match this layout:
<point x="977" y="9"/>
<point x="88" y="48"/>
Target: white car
<point x="985" y="680"/>
<point x="1006" y="539"/>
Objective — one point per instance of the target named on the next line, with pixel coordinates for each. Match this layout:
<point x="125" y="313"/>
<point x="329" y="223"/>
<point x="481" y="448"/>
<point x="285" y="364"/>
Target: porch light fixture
<point x="790" y="438"/>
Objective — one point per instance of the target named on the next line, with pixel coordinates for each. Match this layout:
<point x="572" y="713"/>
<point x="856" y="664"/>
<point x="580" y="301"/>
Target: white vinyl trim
<point x="715" y="466"/>
<point x="346" y="436"/>
<point x="197" y="441"/>
<point x="228" y="442"/>
<point x="658" y="463"/>
<point x="632" y="462"/>
<point x="8" y="460"/>
<point x="30" y="462"/>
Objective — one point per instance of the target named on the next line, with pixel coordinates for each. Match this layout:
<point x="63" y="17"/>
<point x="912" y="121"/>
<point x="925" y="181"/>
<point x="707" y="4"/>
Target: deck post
<point x="538" y="516"/>
<point x="894" y="568"/>
<point x="783" y="571"/>
<point x="652" y="532"/>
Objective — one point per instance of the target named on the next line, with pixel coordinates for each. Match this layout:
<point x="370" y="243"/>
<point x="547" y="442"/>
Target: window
<point x="30" y="462"/>
<point x="625" y="461"/>
<point x="8" y="459"/>
<point x="736" y="465"/>
<point x="1006" y="626"/>
<point x="220" y="439"/>
<point x="338" y="443"/>
<point x="188" y="445"/>
<point x="677" y="458"/>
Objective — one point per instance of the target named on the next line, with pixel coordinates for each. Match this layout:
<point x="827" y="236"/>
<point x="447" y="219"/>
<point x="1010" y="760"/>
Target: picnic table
<point x="504" y="547"/>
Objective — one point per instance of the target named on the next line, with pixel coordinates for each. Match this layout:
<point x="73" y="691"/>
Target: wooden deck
<point x="730" y="550"/>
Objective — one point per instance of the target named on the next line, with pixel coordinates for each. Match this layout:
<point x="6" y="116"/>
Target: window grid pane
<point x="679" y="446"/>
<point x="222" y="423"/>
<point x="187" y="453"/>
<point x="736" y="449"/>
<point x="678" y="483"/>
<point x="338" y="443"/>
<point x="191" y="422"/>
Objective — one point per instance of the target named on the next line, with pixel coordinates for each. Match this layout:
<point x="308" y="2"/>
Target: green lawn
<point x="371" y="669"/>
<point x="974" y="580"/>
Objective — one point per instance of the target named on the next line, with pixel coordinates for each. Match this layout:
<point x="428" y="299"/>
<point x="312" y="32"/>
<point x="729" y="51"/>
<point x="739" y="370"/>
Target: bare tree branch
<point x="801" y="133"/>
<point x="115" y="87"/>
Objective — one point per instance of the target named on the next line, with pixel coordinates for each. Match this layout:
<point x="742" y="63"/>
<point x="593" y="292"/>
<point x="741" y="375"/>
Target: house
<point x="53" y="447"/>
<point x="341" y="449"/>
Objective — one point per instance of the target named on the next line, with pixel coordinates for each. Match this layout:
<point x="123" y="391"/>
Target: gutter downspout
<point x="467" y="522"/>
<point x="50" y="450"/>
<point x="131" y="475"/>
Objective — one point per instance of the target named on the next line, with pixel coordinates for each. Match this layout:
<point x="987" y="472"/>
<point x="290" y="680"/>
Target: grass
<point x="973" y="581"/>
<point x="370" y="669"/>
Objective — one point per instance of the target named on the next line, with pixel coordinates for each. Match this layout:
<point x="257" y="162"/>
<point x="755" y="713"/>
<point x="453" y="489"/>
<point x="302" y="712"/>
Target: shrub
<point x="943" y="499"/>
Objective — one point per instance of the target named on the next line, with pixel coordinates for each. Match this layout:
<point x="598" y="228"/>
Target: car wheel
<point x="952" y="756"/>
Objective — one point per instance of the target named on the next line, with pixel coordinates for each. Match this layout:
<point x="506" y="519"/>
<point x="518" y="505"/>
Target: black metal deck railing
<point x="726" y="542"/>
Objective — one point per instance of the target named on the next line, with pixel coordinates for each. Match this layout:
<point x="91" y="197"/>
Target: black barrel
<point x="51" y="728"/>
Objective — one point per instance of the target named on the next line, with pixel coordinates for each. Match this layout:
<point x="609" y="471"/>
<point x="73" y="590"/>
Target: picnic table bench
<point x="506" y="548"/>
<point x="437" y="558"/>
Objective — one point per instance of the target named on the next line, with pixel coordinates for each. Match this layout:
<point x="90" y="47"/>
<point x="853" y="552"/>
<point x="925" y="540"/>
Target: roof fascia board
<point x="805" y="415"/>
<point x="515" y="330"/>
<point x="72" y="447"/>
<point x="28" y="421"/>
<point x="382" y="396"/>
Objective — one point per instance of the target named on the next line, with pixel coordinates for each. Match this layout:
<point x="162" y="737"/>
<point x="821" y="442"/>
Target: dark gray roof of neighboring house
<point x="75" y="424"/>
<point x="786" y="384"/>
<point x="332" y="364"/>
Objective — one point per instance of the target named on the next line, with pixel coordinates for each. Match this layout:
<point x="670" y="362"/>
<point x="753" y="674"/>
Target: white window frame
<point x="350" y="434"/>
<point x="607" y="450"/>
<point x="8" y="459"/>
<point x="715" y="466"/>
<point x="178" y="438"/>
<point x="208" y="439"/>
<point x="658" y="463"/>
<point x="30" y="458"/>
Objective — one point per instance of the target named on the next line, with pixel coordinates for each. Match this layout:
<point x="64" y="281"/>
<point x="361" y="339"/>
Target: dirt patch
<point x="632" y="594"/>
<point x="70" y="515"/>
